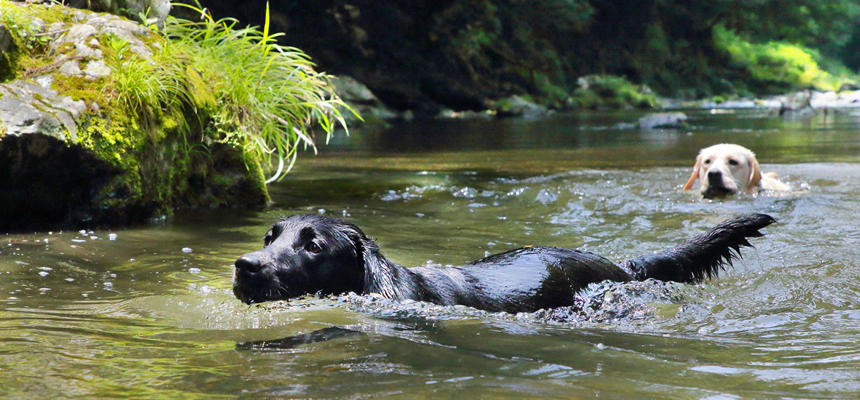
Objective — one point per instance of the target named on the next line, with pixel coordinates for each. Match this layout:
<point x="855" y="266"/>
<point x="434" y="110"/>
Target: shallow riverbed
<point x="148" y="312"/>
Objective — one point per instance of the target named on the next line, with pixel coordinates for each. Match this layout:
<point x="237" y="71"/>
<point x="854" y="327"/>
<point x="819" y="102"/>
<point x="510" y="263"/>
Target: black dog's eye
<point x="313" y="248"/>
<point x="733" y="162"/>
<point x="267" y="240"/>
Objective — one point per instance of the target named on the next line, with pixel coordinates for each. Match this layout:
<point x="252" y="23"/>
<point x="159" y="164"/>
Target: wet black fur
<point x="314" y="254"/>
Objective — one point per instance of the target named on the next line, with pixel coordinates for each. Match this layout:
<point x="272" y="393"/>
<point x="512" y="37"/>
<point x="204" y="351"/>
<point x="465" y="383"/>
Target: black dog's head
<point x="302" y="254"/>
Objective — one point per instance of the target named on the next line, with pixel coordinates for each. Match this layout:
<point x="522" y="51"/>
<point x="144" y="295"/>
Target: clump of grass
<point x="261" y="96"/>
<point x="240" y="86"/>
<point x="779" y="65"/>
<point x="147" y="88"/>
<point x="609" y="91"/>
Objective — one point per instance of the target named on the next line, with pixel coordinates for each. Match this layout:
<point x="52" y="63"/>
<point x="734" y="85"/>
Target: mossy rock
<point x="80" y="158"/>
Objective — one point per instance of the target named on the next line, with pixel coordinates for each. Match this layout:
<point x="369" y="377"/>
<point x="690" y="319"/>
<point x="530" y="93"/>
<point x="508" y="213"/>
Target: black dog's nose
<point x="249" y="263"/>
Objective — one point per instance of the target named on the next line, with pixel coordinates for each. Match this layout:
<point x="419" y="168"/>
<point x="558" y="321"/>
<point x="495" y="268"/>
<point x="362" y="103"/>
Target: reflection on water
<point x="147" y="311"/>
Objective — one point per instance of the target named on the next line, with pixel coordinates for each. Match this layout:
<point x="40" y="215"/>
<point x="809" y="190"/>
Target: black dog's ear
<point x="379" y="273"/>
<point x="356" y="238"/>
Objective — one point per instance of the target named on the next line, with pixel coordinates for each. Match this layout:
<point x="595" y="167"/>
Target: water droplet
<point x="194" y="270"/>
<point x="43" y="273"/>
<point x="186" y="250"/>
<point x="112" y="236"/>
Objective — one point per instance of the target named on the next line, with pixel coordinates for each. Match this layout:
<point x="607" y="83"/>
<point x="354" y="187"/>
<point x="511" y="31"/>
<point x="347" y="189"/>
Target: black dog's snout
<point x="249" y="263"/>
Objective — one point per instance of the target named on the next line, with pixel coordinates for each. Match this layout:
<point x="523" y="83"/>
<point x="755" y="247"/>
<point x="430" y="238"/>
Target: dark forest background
<point x="427" y="54"/>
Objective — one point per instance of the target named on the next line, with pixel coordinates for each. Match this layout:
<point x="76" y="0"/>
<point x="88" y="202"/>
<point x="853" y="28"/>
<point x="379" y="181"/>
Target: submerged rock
<point x="798" y="104"/>
<point x="663" y="120"/>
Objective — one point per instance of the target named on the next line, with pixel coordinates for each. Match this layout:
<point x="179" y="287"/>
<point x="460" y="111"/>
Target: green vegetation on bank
<point x="779" y="65"/>
<point x="180" y="103"/>
<point x="612" y="92"/>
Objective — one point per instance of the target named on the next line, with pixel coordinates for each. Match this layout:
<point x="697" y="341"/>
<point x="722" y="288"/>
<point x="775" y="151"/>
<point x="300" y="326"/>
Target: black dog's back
<point x="532" y="278"/>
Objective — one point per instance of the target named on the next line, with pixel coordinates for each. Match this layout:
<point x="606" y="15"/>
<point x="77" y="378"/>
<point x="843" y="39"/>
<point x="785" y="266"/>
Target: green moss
<point x="255" y="170"/>
<point x="93" y="92"/>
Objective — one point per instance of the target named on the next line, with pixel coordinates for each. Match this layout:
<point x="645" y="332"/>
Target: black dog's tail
<point x="702" y="256"/>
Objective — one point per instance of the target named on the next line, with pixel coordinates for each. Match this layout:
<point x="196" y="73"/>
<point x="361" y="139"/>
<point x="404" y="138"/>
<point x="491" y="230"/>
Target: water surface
<point x="147" y="311"/>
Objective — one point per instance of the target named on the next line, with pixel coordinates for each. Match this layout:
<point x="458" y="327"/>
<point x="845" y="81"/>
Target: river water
<point x="147" y="312"/>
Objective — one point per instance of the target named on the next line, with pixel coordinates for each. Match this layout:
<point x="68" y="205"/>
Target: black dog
<point x="313" y="254"/>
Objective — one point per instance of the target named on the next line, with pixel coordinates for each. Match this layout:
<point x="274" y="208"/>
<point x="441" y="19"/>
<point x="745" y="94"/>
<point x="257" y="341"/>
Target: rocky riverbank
<point x="589" y="96"/>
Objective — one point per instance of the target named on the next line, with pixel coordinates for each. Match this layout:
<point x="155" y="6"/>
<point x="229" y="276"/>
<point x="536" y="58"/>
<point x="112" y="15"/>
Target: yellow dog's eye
<point x="313" y="248"/>
<point x="708" y="161"/>
<point x="733" y="162"/>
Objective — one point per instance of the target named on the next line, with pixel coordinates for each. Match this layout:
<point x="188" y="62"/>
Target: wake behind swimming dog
<point x="725" y="169"/>
<point x="306" y="254"/>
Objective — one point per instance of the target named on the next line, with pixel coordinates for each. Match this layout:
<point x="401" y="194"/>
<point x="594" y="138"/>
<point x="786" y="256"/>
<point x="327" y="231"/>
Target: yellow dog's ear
<point x="695" y="175"/>
<point x="755" y="174"/>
